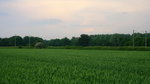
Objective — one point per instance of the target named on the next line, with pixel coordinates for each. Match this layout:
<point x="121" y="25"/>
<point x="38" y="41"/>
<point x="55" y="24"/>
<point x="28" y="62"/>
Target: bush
<point x="40" y="45"/>
<point x="20" y="47"/>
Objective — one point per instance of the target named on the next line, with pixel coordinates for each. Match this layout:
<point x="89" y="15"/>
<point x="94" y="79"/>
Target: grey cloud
<point x="14" y="22"/>
<point x="48" y="21"/>
<point x="4" y="14"/>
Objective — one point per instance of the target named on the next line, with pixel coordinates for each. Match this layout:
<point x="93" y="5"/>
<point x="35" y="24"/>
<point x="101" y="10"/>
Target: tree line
<point x="19" y="41"/>
<point x="84" y="40"/>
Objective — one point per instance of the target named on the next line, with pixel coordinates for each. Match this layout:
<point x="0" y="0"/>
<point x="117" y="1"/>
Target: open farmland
<point x="62" y="66"/>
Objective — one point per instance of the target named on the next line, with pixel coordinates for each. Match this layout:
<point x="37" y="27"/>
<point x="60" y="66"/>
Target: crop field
<point x="62" y="66"/>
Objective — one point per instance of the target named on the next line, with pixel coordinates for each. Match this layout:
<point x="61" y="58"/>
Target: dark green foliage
<point x="5" y="42"/>
<point x="65" y="41"/>
<point x="74" y="41"/>
<point x="60" y="42"/>
<point x="55" y="42"/>
<point x="84" y="40"/>
<point x="26" y="41"/>
<point x="60" y="66"/>
<point x="40" y="45"/>
<point x="139" y="39"/>
<point x="19" y="41"/>
<point x="110" y="40"/>
<point x="34" y="40"/>
<point x="20" y="47"/>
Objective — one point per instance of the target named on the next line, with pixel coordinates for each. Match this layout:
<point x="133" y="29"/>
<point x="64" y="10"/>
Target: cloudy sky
<point x="66" y="18"/>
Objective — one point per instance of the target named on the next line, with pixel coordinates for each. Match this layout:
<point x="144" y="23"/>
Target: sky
<point x="51" y="19"/>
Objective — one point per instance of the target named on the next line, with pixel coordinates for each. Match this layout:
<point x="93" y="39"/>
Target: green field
<point x="62" y="66"/>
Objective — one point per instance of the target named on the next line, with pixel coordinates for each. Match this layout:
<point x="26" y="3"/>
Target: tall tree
<point x="65" y="41"/>
<point x="84" y="40"/>
<point x="74" y="41"/>
<point x="26" y="41"/>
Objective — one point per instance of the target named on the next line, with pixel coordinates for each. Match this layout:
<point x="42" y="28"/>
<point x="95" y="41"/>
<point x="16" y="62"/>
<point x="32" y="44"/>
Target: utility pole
<point x="29" y="41"/>
<point x="145" y="39"/>
<point x="15" y="40"/>
<point x="133" y="39"/>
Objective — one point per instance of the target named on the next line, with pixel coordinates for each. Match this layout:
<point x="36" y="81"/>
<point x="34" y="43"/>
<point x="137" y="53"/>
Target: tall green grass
<point x="61" y="66"/>
<point x="123" y="48"/>
<point x="126" y="48"/>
